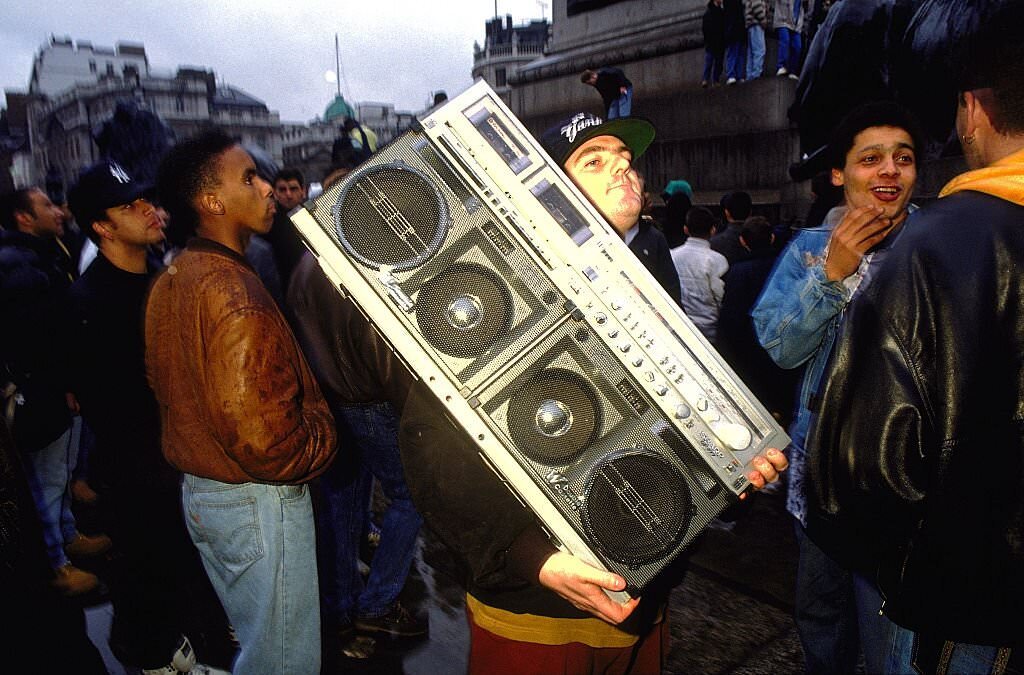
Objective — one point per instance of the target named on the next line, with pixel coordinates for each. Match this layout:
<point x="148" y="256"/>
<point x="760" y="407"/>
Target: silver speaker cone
<point x="553" y="418"/>
<point x="465" y="312"/>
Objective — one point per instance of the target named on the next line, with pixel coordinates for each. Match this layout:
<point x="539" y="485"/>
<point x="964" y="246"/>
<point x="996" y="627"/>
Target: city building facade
<point x="73" y="90"/>
<point x="506" y="48"/>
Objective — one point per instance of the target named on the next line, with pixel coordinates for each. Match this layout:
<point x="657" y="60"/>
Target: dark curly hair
<point x="866" y="116"/>
<point x="189" y="168"/>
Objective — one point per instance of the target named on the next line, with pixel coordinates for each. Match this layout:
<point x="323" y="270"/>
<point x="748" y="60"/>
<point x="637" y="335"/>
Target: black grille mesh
<point x="391" y="216"/>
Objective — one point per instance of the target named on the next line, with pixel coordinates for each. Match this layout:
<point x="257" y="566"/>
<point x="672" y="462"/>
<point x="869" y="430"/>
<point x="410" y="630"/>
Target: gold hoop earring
<point x="967" y="140"/>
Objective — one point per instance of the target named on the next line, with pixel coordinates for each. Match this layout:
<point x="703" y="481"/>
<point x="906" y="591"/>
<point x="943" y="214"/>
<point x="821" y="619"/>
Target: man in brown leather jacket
<point x="241" y="414"/>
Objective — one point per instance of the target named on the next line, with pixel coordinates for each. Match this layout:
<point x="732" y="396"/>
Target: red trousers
<point x="490" y="654"/>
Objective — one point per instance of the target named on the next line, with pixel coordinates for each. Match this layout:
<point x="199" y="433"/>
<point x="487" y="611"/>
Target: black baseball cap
<point x="100" y="187"/>
<point x="564" y="138"/>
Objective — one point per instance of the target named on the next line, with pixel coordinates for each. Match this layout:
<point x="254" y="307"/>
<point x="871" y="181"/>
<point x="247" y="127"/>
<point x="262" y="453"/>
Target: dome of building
<point x="338" y="110"/>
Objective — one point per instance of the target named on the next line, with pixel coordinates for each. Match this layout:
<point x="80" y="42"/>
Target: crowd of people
<point x="231" y="411"/>
<point x="734" y="37"/>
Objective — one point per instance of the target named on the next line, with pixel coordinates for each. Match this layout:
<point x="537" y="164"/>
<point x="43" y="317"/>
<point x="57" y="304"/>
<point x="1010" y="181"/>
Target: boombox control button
<point x="702" y="404"/>
<point x="661" y="390"/>
<point x="649" y="375"/>
<point x="736" y="436"/>
<point x="613" y="333"/>
<point x="682" y="411"/>
<point x="625" y="347"/>
<point x="601" y="319"/>
<point x="591" y="273"/>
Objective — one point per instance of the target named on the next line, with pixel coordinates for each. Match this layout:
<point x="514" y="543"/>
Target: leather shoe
<point x="70" y="580"/>
<point x="83" y="493"/>
<point x="83" y="546"/>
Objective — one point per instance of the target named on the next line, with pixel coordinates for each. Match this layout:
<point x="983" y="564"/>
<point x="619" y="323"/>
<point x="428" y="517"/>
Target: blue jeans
<point x="735" y="60"/>
<point x="622" y="106"/>
<point x="755" y="51"/>
<point x="789" y="50"/>
<point x="963" y="659"/>
<point x="48" y="477"/>
<point x="371" y="434"/>
<point x="837" y="612"/>
<point x="712" y="66"/>
<point x="258" y="546"/>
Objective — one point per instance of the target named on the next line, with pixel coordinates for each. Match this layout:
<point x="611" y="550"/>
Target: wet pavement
<point x="732" y="613"/>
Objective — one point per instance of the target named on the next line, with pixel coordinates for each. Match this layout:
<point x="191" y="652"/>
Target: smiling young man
<point x="241" y="414"/>
<point x="797" y="319"/>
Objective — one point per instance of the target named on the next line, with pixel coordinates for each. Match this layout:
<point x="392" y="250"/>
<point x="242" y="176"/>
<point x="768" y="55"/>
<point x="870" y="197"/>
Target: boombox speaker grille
<point x="464" y="309"/>
<point x="554" y="416"/>
<point x="391" y="216"/>
<point x="637" y="506"/>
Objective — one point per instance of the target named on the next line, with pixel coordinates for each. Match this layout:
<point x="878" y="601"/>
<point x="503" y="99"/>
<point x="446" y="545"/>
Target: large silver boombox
<point x="584" y="386"/>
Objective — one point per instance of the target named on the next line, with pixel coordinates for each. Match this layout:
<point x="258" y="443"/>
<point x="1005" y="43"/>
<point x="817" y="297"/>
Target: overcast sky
<point x="392" y="51"/>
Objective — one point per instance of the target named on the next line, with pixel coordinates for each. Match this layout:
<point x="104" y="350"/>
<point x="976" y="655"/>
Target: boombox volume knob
<point x="735" y="436"/>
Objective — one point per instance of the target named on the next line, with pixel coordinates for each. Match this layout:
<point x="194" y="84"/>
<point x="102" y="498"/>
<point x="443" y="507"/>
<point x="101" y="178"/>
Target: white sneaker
<point x="794" y="76"/>
<point x="782" y="71"/>
<point x="183" y="661"/>
<point x="731" y="80"/>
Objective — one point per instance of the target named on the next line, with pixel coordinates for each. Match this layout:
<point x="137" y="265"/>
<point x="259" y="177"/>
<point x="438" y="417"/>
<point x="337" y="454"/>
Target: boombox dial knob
<point x="682" y="411"/>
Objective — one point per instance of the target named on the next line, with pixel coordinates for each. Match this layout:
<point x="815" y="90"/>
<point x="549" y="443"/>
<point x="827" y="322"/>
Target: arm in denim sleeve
<point x="797" y="303"/>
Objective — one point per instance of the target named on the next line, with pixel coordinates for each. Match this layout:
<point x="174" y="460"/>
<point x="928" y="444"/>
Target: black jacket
<point x="610" y="82"/>
<point x="713" y="28"/>
<point x="33" y="302"/>
<point x="916" y="463"/>
<point x="651" y="247"/>
<point x="108" y="376"/>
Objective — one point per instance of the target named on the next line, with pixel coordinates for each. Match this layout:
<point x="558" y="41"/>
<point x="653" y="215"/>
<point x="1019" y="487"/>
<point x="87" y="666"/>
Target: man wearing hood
<point x="915" y="477"/>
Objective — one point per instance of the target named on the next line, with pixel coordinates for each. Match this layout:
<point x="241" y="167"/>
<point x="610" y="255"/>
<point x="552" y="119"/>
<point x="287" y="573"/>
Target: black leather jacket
<point x="33" y="310"/>
<point x="916" y="463"/>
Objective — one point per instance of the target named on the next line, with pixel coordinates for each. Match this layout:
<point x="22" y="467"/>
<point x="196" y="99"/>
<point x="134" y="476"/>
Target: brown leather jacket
<point x="237" y="401"/>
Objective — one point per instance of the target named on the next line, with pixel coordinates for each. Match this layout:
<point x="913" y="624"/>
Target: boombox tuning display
<point x="584" y="386"/>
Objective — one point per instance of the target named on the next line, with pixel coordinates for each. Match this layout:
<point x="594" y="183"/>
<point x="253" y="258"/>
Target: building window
<point x="92" y="66"/>
<point x="110" y="69"/>
<point x="499" y="78"/>
<point x="179" y="104"/>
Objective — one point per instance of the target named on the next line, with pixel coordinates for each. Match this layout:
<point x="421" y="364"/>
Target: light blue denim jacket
<point x="797" y="318"/>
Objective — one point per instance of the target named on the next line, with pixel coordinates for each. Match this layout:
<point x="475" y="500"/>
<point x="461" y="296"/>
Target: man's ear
<point x="976" y="115"/>
<point x="103" y="229"/>
<point x="209" y="202"/>
<point x="23" y="220"/>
